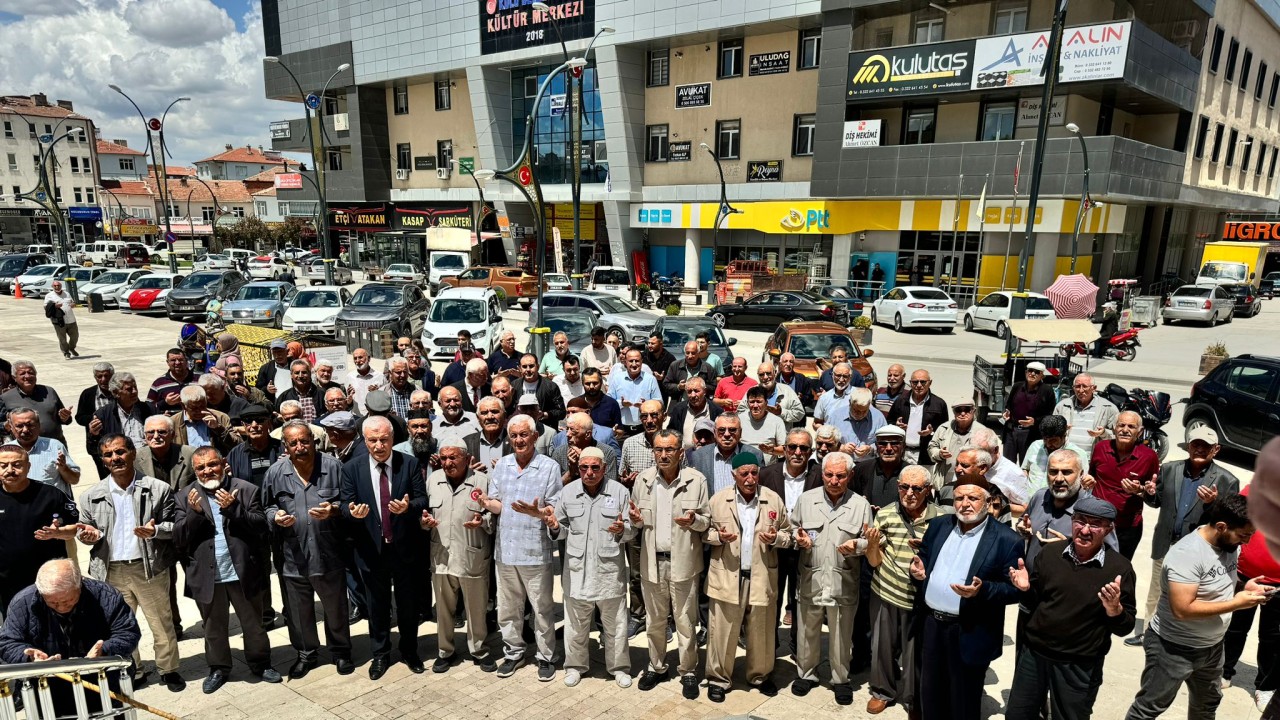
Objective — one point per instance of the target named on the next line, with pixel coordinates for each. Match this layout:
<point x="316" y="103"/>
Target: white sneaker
<point x="623" y="679"/>
<point x="1226" y="683"/>
<point x="572" y="678"/>
<point x="1262" y="698"/>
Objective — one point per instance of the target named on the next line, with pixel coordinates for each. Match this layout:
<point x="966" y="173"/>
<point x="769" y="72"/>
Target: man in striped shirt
<point x="891" y="543"/>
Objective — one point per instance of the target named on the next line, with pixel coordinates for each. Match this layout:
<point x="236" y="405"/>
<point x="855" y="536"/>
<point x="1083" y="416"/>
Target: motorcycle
<point x="1121" y="346"/>
<point x="669" y="291"/>
<point x="1155" y="409"/>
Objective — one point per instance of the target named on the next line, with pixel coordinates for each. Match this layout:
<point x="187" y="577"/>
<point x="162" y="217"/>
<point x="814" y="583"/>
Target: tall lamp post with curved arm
<point x="312" y="140"/>
<point x="578" y="75"/>
<point x="162" y="183"/>
<point x="523" y="177"/>
<point x="218" y="209"/>
<point x="1085" y="203"/>
<point x="43" y="196"/>
<point x="724" y="211"/>
<point x="119" y="205"/>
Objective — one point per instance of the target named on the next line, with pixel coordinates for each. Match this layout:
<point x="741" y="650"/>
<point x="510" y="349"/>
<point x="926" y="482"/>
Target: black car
<point x="845" y="295"/>
<point x="1238" y="399"/>
<point x="398" y="307"/>
<point x="676" y="331"/>
<point x="766" y="310"/>
<point x="11" y="266"/>
<point x="189" y="299"/>
<point x="1248" y="299"/>
<point x="1267" y="285"/>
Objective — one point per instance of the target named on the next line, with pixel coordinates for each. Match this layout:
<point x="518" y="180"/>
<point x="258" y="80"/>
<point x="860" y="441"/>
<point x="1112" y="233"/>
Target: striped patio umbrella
<point x="1073" y="296"/>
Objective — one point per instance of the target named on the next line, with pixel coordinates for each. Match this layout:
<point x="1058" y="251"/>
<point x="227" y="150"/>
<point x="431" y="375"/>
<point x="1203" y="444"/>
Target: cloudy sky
<point x="156" y="51"/>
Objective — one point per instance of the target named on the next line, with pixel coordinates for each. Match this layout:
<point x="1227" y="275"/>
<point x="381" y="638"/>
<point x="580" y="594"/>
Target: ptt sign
<point x="812" y="220"/>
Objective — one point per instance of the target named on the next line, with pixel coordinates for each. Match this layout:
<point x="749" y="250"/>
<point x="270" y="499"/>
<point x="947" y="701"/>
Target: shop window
<point x="810" y="48"/>
<point x="659" y="73"/>
<point x="1202" y="134"/>
<point x="920" y="124"/>
<point x="802" y="134"/>
<point x="402" y="99"/>
<point x="998" y="121"/>
<point x="730" y="65"/>
<point x="656" y="149"/>
<point x="728" y="139"/>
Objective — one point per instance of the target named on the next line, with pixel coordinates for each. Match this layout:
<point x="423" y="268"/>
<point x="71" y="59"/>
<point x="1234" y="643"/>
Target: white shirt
<point x="914" y="420"/>
<point x="283" y="379"/>
<point x="747" y="514"/>
<point x="1007" y="476"/>
<point x="952" y="567"/>
<point x="467" y="423"/>
<point x="663" y="495"/>
<point x="569" y="390"/>
<point x="361" y="384"/>
<point x="64" y="301"/>
<point x="124" y="544"/>
<point x="375" y="480"/>
<point x="793" y="487"/>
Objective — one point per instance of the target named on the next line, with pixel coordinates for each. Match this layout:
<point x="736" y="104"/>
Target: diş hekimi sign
<point x="861" y="133"/>
<point x="1091" y="52"/>
<point x="507" y="25"/>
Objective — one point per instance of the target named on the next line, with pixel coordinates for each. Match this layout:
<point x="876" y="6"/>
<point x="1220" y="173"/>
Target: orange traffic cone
<point x="17" y="290"/>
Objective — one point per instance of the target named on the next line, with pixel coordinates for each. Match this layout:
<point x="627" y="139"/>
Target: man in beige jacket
<point x="743" y="586"/>
<point x="831" y="524"/>
<point x="669" y="506"/>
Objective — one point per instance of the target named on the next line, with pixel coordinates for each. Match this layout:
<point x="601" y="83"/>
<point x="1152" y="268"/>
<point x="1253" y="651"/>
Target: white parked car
<point x="474" y="309"/>
<point x="610" y="279"/>
<point x="909" y="306"/>
<point x="112" y="284"/>
<point x="405" y="273"/>
<point x="38" y="280"/>
<point x="558" y="281"/>
<point x="992" y="312"/>
<point x="214" y="261"/>
<point x="267" y="267"/>
<point x="313" y="272"/>
<point x="148" y="293"/>
<point x="315" y="309"/>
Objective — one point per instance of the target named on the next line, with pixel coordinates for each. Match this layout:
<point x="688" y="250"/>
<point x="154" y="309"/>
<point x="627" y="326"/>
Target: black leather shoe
<point x="269" y="675"/>
<point x="844" y="694"/>
<point x="301" y="668"/>
<point x="715" y="693"/>
<point x="801" y="687"/>
<point x="355" y="615"/>
<point x="702" y="637"/>
<point x="378" y="668"/>
<point x="689" y="687"/>
<point x="345" y="666"/>
<point x="486" y="663"/>
<point x="649" y="680"/>
<point x="217" y="678"/>
<point x="442" y="664"/>
<point x="415" y="665"/>
<point x="459" y="623"/>
<point x="173" y="681"/>
<point x="767" y="688"/>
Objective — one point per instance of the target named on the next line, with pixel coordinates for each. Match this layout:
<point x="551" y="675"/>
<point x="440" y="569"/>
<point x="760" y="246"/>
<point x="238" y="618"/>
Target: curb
<point x="1104" y="371"/>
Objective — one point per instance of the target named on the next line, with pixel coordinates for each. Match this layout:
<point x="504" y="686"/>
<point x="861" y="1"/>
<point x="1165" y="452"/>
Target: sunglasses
<point x="919" y="382"/>
<point x="965" y="410"/>
<point x="910" y="488"/>
<point x="796" y="447"/>
<point x="888" y="442"/>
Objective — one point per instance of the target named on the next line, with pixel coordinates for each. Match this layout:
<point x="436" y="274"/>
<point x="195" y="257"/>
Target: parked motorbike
<point x="1122" y="346"/>
<point x="669" y="289"/>
<point x="1155" y="409"/>
<point x="644" y="297"/>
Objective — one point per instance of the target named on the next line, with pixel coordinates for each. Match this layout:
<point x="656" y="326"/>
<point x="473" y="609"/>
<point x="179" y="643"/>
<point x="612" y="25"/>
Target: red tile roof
<point x="269" y="192"/>
<point x="27" y="106"/>
<point x="228" y="191"/>
<point x="173" y="170"/>
<point x="106" y="147"/>
<point x="269" y="175"/>
<point x="246" y="154"/>
<point x="128" y="187"/>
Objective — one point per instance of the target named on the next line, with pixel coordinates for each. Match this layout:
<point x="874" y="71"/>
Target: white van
<point x="103" y="252"/>
<point x="444" y="263"/>
<point x="454" y="309"/>
<point x="611" y="279"/>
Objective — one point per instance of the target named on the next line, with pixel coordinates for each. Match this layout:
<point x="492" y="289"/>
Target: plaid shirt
<point x="637" y="455"/>
<point x="400" y="400"/>
<point x="523" y="540"/>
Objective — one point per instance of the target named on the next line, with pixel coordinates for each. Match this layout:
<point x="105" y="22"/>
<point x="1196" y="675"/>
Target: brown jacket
<point x="726" y="560"/>
<point x="690" y="493"/>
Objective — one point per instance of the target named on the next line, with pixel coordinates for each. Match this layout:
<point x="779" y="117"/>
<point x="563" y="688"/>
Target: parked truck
<point x="1229" y="261"/>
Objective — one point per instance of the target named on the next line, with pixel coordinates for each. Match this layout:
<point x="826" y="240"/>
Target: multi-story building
<point x="28" y="124"/>
<point x="851" y="133"/>
<point x="118" y="161"/>
<point x="131" y="207"/>
<point x="238" y="163"/>
<point x="194" y="206"/>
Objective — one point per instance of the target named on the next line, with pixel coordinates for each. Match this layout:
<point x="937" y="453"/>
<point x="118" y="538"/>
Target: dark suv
<point x="398" y="307"/>
<point x="11" y="266"/>
<point x="1238" y="399"/>
<point x="189" y="299"/>
<point x="1248" y="299"/>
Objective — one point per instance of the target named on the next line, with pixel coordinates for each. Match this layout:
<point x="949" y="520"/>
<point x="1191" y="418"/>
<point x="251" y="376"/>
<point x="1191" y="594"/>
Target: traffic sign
<point x="169" y="238"/>
<point x="577" y="71"/>
<point x="154" y="124"/>
<point x="313" y="101"/>
<point x="46" y="139"/>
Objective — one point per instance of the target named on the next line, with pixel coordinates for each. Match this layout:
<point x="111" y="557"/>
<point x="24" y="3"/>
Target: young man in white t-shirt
<point x="64" y="322"/>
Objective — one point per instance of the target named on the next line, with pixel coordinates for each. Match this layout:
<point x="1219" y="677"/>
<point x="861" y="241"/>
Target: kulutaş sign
<point x="912" y="70"/>
<point x="507" y="25"/>
<point x="1090" y="52"/>
<point x="691" y="96"/>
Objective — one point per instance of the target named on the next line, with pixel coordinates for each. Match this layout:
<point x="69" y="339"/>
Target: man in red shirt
<point x="1256" y="561"/>
<point x="1122" y="472"/>
<point x="732" y="389"/>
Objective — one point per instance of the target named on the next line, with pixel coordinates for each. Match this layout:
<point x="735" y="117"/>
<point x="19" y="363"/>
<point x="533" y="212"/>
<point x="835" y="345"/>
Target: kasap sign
<point x="1091" y="52"/>
<point x="912" y="70"/>
<point x="861" y="133"/>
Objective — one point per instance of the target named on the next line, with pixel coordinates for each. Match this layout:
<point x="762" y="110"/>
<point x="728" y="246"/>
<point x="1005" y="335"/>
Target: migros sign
<point x="1251" y="231"/>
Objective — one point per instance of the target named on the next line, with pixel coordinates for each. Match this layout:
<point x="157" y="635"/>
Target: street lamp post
<point x="312" y="140"/>
<point x="218" y="210"/>
<point x="1084" y="195"/>
<point x="42" y="195"/>
<point x="724" y="211"/>
<point x="477" y="219"/>
<point x="576" y="141"/>
<point x="120" y="206"/>
<point x="522" y="176"/>
<point x="162" y="183"/>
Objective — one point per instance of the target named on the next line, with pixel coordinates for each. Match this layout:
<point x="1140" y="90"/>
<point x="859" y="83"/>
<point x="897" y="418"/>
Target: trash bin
<point x="95" y="303"/>
<point x="1144" y="310"/>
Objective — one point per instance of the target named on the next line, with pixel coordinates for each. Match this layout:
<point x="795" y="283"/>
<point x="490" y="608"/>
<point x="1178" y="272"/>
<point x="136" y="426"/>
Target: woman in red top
<point x="1256" y="560"/>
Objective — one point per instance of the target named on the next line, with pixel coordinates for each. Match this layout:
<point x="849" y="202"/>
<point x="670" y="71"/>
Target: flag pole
<point x="982" y="224"/>
<point x="1008" y="248"/>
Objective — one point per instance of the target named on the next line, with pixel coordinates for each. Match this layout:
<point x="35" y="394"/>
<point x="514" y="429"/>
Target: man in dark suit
<point x="219" y="525"/>
<point x="384" y="494"/>
<point x="695" y="404"/>
<point x="918" y="413"/>
<point x="91" y="399"/>
<point x="715" y="461"/>
<point x="548" y="393"/>
<point x="788" y="376"/>
<point x="124" y="408"/>
<point x="475" y="385"/>
<point x="963" y="572"/>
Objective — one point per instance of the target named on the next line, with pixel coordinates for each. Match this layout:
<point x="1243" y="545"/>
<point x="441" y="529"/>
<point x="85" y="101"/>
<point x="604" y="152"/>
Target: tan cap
<point x="1204" y="433"/>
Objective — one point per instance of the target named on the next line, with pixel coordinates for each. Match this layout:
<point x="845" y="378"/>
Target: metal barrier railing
<point x="37" y="682"/>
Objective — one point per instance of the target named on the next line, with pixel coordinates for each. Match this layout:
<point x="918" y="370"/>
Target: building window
<point x="48" y="129"/>
<point x="656" y="149"/>
<point x="1262" y="156"/>
<point x="283" y="209"/>
<point x="206" y="214"/>
<point x="728" y="139"/>
<point x="174" y="211"/>
<point x="1202" y="134"/>
<point x="444" y="153"/>
<point x="1217" y="144"/>
<point x="1271" y="166"/>
<point x="88" y="196"/>
<point x="334" y="160"/>
<point x="930" y="26"/>
<point x="126" y="163"/>
<point x="18" y="191"/>
<point x="31" y="128"/>
<point x="237" y="212"/>
<point x="1261" y="86"/>
<point x="1215" y="51"/>
<point x="404" y="156"/>
<point x="35" y="163"/>
<point x="884" y="38"/>
<point x="8" y="129"/>
<point x="75" y="192"/>
<point x="75" y="166"/>
<point x="260" y="208"/>
<point x="444" y="94"/>
<point x="13" y="161"/>
<point x="1232" y="51"/>
<point x="998" y="121"/>
<point x="1247" y="144"/>
<point x="1275" y="88"/>
<point x="330" y="106"/>
<point x="810" y="48"/>
<point x="57" y="194"/>
<point x="1245" y="65"/>
<point x="1010" y="17"/>
<point x="730" y="65"/>
<point x="920" y="125"/>
<point x="802" y="134"/>
<point x="402" y="99"/>
<point x="1232" y="142"/>
<point x="659" y="68"/>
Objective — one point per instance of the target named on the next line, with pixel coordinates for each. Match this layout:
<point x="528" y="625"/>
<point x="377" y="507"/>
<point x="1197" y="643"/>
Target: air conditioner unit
<point x="1184" y="29"/>
<point x="402" y="174"/>
<point x="443" y="173"/>
<point x="602" y="152"/>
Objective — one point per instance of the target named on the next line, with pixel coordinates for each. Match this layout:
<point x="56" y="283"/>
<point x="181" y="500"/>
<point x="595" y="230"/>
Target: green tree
<point x="245" y="233"/>
<point x="290" y="231"/>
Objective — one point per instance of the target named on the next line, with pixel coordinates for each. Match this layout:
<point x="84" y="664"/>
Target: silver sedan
<point x="1209" y="304"/>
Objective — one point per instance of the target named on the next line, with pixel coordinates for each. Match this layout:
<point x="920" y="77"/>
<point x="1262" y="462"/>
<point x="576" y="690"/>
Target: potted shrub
<point x="1213" y="356"/>
<point x="861" y="329"/>
<point x="673" y="309"/>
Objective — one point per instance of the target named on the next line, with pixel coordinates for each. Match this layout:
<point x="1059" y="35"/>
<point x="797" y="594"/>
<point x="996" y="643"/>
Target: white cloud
<point x="75" y="56"/>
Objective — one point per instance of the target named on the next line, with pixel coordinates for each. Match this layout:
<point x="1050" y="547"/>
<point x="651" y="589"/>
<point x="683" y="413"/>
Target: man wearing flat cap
<point x="341" y="428"/>
<point x="748" y="524"/>
<point x="1082" y="594"/>
<point x="1029" y="402"/>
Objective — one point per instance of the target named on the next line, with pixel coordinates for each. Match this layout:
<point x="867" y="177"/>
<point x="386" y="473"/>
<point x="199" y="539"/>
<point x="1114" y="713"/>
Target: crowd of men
<point x="678" y="497"/>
